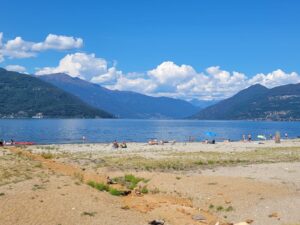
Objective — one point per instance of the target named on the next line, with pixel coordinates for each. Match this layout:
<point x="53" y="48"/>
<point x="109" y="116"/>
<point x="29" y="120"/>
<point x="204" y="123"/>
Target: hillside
<point x="257" y="103"/>
<point x="124" y="104"/>
<point x="23" y="96"/>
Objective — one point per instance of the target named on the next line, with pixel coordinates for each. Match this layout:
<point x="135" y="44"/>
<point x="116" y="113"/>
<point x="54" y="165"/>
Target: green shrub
<point x="144" y="190"/>
<point x="101" y="187"/>
<point x="98" y="186"/>
<point x="115" y="192"/>
<point x="91" y="183"/>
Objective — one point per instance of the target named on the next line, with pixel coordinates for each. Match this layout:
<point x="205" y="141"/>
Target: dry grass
<point x="16" y="167"/>
<point x="193" y="160"/>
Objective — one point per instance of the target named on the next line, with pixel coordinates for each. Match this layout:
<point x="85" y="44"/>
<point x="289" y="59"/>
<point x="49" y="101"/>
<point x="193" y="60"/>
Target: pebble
<point x="199" y="217"/>
<point x="157" y="222"/>
<point x="274" y="214"/>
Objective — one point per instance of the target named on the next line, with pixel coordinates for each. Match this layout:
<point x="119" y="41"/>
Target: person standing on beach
<point x="286" y="135"/>
<point x="249" y="137"/>
<point x="244" y="138"/>
<point x="271" y="137"/>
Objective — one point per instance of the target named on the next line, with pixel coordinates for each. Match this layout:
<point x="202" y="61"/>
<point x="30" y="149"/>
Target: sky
<point x="192" y="49"/>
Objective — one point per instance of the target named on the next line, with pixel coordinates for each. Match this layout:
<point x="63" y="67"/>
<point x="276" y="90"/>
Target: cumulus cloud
<point x="16" y="68"/>
<point x="275" y="78"/>
<point x="167" y="79"/>
<point x="183" y="81"/>
<point x="19" y="48"/>
<point x="85" y="66"/>
<point x="170" y="73"/>
<point x="140" y="85"/>
<point x="58" y="42"/>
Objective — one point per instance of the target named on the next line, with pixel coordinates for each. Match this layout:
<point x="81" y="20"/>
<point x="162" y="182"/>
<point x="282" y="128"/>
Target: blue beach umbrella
<point x="210" y="134"/>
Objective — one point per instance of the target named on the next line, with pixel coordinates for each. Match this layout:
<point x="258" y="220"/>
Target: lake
<point x="43" y="131"/>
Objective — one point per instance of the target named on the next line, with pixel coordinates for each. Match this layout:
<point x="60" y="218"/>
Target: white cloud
<point x="58" y="42"/>
<point x="140" y="85"/>
<point x="85" y="66"/>
<point x="170" y="73"/>
<point x="19" y="48"/>
<point x="16" y="68"/>
<point x="111" y="76"/>
<point x="167" y="79"/>
<point x="183" y="81"/>
<point x="275" y="78"/>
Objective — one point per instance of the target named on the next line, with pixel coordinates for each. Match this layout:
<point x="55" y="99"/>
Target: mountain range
<point x="25" y="96"/>
<point x="257" y="103"/>
<point x="63" y="96"/>
<point x="123" y="104"/>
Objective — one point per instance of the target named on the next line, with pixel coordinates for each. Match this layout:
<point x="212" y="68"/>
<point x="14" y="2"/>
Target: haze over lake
<point x="45" y="131"/>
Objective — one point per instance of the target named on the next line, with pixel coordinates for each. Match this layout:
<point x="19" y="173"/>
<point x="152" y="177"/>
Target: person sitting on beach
<point x="115" y="144"/>
<point x="123" y="145"/>
<point x="110" y="181"/>
<point x="153" y="142"/>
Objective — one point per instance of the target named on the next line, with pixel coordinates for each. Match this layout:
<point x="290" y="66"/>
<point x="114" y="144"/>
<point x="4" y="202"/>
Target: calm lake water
<point x="104" y="130"/>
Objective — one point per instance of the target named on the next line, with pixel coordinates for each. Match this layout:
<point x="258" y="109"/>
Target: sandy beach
<point x="183" y="183"/>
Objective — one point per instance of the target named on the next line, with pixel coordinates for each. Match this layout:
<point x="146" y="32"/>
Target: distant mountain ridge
<point x="25" y="96"/>
<point x="201" y="104"/>
<point x="257" y="103"/>
<point x="123" y="104"/>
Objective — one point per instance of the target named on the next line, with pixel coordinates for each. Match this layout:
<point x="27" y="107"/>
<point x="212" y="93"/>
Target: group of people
<point x="117" y="145"/>
<point x="271" y="137"/>
<point x="3" y="142"/>
<point x="249" y="138"/>
<point x="213" y="141"/>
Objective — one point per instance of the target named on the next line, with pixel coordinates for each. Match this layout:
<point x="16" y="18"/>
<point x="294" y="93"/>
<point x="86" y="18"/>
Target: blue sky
<point x="135" y="37"/>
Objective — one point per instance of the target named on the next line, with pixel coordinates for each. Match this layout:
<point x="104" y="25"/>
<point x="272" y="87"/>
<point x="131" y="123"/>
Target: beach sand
<point x="258" y="182"/>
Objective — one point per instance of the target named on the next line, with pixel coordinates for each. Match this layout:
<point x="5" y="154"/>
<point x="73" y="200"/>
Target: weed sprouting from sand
<point x="133" y="180"/>
<point x="2" y="194"/>
<point x="88" y="213"/>
<point x="105" y="187"/>
<point x="220" y="208"/>
<point x="144" y="190"/>
<point x="125" y="207"/>
<point x="229" y="209"/>
<point x="130" y="181"/>
<point x="38" y="165"/>
<point x="115" y="192"/>
<point x="91" y="183"/>
<point x="47" y="155"/>
<point x="37" y="187"/>
<point x="79" y="176"/>
<point x="102" y="187"/>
